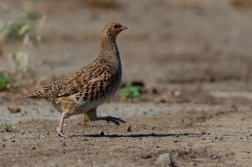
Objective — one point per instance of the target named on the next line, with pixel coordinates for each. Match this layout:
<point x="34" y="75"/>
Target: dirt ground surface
<point x="192" y="59"/>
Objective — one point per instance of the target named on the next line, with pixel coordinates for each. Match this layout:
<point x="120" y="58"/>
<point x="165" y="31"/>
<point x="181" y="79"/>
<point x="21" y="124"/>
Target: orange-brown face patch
<point x="112" y="29"/>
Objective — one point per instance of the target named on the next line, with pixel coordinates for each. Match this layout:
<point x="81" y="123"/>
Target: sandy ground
<point x="194" y="58"/>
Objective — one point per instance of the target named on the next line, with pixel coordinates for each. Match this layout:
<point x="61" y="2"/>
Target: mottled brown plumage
<point x="89" y="87"/>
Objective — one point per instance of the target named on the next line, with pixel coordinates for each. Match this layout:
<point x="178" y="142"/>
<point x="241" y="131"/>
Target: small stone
<point x="129" y="129"/>
<point x="12" y="140"/>
<point x="164" y="159"/>
<point x="102" y="133"/>
<point x="214" y="156"/>
<point x="193" y="164"/>
<point x="33" y="148"/>
<point x="85" y="139"/>
<point x="22" y="132"/>
<point x="177" y="93"/>
<point x="3" y="145"/>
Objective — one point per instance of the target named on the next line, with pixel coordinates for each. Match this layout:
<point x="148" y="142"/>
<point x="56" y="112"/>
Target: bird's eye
<point x="115" y="27"/>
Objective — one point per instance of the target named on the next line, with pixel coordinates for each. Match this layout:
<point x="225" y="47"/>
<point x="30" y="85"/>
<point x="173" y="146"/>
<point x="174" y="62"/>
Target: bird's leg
<point x="60" y="128"/>
<point x="93" y="117"/>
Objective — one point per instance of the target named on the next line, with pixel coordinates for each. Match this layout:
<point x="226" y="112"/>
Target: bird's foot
<point x="114" y="120"/>
<point x="60" y="133"/>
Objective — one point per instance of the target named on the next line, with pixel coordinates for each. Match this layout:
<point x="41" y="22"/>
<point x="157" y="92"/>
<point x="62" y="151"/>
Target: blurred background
<point x="175" y="51"/>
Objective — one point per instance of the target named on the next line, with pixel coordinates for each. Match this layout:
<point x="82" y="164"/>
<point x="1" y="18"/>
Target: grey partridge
<point x="84" y="90"/>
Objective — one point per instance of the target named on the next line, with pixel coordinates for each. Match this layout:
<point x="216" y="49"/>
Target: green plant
<point x="5" y="82"/>
<point x="183" y="123"/>
<point x="11" y="31"/>
<point x="23" y="27"/>
<point x="31" y="16"/>
<point x="27" y="27"/>
<point x="7" y="127"/>
<point x="1" y="48"/>
<point x="20" y="85"/>
<point x="84" y="119"/>
<point x="129" y="91"/>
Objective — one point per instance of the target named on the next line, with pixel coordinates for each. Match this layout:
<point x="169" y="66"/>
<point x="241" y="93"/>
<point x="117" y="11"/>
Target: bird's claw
<point x="114" y="120"/>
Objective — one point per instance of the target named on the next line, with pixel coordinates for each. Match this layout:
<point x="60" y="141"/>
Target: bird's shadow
<point x="143" y="135"/>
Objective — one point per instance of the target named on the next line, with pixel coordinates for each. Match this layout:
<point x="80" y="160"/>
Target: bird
<point x="84" y="90"/>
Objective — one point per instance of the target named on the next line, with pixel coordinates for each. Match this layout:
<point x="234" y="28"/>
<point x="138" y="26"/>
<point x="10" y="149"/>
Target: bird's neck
<point x="108" y="44"/>
<point x="109" y="48"/>
<point x="110" y="53"/>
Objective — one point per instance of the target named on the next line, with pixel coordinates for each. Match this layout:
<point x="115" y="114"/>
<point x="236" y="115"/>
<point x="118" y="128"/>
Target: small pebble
<point x="3" y="145"/>
<point x="164" y="159"/>
<point x="129" y="129"/>
<point x="33" y="148"/>
<point x="3" y="139"/>
<point x="214" y="156"/>
<point x="12" y="140"/>
<point x="193" y="164"/>
<point x="63" y="152"/>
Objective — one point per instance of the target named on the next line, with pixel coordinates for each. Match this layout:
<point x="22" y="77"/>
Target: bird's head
<point x="113" y="29"/>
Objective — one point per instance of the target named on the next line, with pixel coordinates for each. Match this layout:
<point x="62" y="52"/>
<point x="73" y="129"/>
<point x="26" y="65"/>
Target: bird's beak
<point x="124" y="28"/>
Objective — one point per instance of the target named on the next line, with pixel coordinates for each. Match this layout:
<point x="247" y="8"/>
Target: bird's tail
<point x="42" y="93"/>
